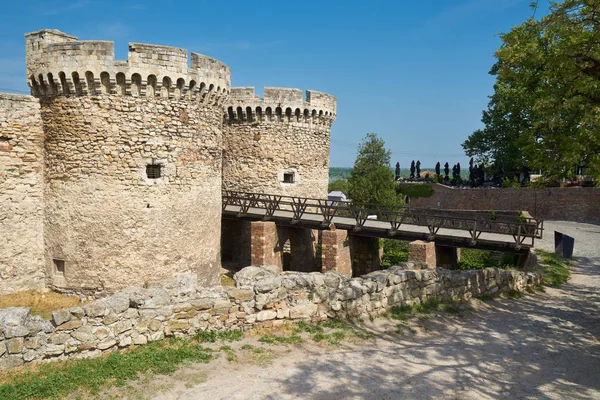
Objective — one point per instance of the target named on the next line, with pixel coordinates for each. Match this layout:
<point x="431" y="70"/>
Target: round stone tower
<point x="278" y="144"/>
<point x="133" y="161"/>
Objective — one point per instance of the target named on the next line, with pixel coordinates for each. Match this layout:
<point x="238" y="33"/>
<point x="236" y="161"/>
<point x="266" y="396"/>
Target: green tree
<point x="545" y="108"/>
<point x="339" y="185"/>
<point x="372" y="179"/>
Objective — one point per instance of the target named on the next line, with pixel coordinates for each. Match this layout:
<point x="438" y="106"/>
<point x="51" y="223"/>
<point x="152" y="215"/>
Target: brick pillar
<point x="263" y="244"/>
<point x="447" y="257"/>
<point x="335" y="251"/>
<point x="420" y="251"/>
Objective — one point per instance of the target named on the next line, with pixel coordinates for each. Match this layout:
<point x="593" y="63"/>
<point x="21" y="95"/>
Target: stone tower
<point x="278" y="144"/>
<point x="133" y="161"/>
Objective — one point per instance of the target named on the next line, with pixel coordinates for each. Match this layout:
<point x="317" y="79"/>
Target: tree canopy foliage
<point x="372" y="179"/>
<point x="545" y="110"/>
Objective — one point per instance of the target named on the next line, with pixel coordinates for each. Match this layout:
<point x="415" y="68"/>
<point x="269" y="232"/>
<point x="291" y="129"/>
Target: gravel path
<point x="543" y="346"/>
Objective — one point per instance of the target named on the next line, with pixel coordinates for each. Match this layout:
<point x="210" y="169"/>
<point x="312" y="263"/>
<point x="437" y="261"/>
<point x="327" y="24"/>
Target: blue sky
<point x="415" y="73"/>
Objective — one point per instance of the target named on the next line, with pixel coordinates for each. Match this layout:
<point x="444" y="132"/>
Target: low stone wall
<point x="261" y="298"/>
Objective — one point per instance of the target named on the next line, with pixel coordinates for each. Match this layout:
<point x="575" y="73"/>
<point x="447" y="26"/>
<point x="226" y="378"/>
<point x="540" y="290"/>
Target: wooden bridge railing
<point x="520" y="227"/>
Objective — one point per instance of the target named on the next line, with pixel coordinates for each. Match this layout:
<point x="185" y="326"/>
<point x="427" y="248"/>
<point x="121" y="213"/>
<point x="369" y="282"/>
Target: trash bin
<point x="563" y="244"/>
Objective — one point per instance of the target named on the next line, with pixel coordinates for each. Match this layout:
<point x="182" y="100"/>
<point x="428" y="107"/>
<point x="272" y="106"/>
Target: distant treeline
<point x="336" y="173"/>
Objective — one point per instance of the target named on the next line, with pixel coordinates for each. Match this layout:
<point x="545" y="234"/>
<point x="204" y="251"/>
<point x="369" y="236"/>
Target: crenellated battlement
<point x="280" y="105"/>
<point x="60" y="64"/>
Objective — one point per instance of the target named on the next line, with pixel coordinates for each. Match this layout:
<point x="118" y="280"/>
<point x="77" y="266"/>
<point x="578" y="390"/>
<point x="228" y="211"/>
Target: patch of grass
<point x="333" y="338"/>
<point x="41" y="304"/>
<point x="213" y="336"/>
<point x="540" y="288"/>
<point x="530" y="289"/>
<point x="55" y="381"/>
<point x="514" y="294"/>
<point x="272" y="339"/>
<point x="259" y="355"/>
<point x="485" y="297"/>
<point x="191" y="380"/>
<point x="336" y="324"/>
<point x="229" y="353"/>
<point x="555" y="268"/>
<point x="302" y="326"/>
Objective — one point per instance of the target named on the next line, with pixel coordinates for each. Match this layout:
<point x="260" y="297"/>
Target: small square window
<point x="59" y="267"/>
<point x="153" y="171"/>
<point x="288" y="177"/>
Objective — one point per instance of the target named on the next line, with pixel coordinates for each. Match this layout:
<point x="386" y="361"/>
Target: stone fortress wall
<point x="278" y="144"/>
<point x="84" y="210"/>
<point x="108" y="223"/>
<point x="261" y="298"/>
<point x="21" y="194"/>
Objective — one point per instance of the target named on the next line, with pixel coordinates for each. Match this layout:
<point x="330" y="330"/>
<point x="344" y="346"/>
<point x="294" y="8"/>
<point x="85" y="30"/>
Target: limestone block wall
<point x="21" y="194"/>
<point x="261" y="298"/>
<point x="278" y="144"/>
<point x="108" y="225"/>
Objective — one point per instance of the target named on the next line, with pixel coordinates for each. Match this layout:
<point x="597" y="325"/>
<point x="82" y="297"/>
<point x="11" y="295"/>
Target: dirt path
<point x="543" y="346"/>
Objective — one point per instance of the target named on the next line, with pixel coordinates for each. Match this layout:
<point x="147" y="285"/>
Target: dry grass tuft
<point x="41" y="304"/>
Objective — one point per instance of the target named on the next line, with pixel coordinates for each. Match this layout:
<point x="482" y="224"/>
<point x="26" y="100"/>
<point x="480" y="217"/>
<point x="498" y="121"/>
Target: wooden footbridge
<point x="501" y="231"/>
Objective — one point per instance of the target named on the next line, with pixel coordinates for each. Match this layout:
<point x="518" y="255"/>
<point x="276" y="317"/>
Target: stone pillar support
<point x="420" y="251"/>
<point x="335" y="252"/>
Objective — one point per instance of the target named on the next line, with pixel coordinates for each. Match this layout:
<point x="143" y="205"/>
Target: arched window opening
<point x="288" y="114"/>
<point x="151" y="86"/>
<point x="269" y="114"/>
<point x="240" y="114"/>
<point x="42" y="83"/>
<point x="259" y="116"/>
<point x="121" y="84"/>
<point x="90" y="82"/>
<point x="230" y="114"/>
<point x="180" y="88"/>
<point x="249" y="116"/>
<point x="192" y="89"/>
<point x="35" y="88"/>
<point x="136" y="85"/>
<point x="306" y="115"/>
<point x="105" y="82"/>
<point x="298" y="115"/>
<point x="63" y="83"/>
<point x="165" y="90"/>
<point x="77" y="84"/>
<point x="278" y="114"/>
<point x="52" y="89"/>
